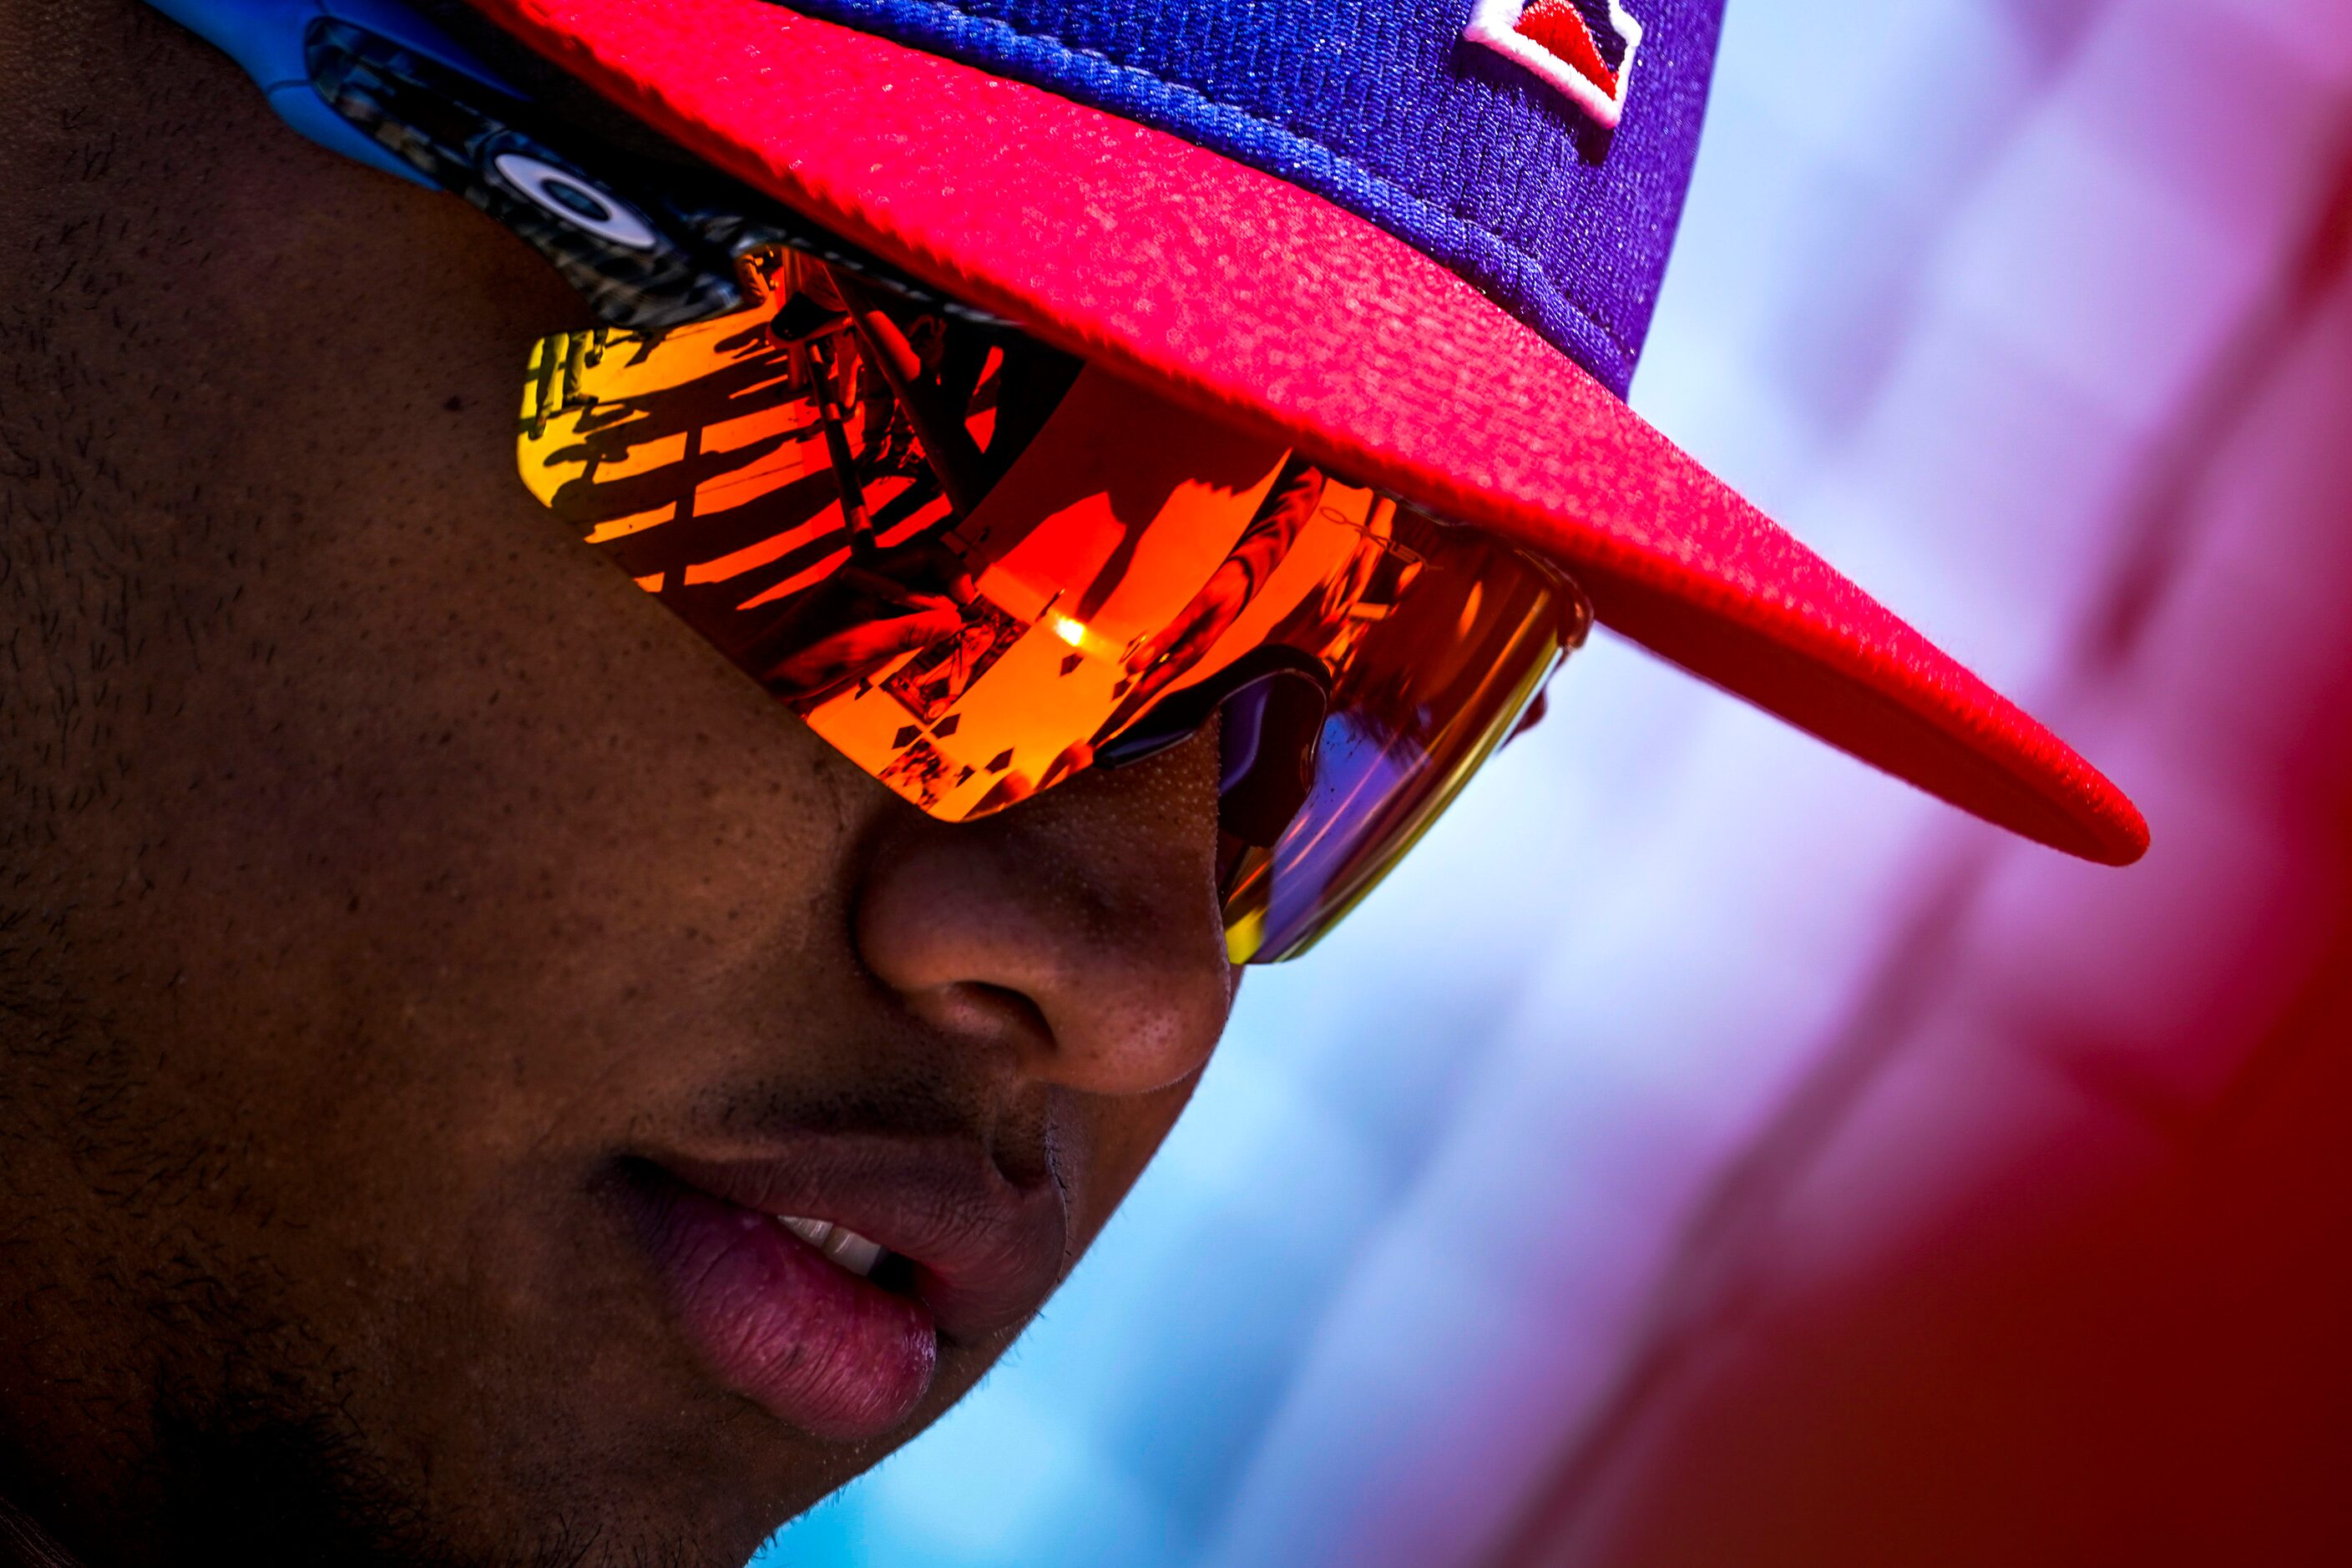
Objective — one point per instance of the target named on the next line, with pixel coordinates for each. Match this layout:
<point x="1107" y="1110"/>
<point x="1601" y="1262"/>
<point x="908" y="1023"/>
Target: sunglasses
<point x="973" y="564"/>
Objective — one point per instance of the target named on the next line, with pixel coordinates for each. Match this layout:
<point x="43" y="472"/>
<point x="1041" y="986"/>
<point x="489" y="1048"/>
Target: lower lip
<point x="782" y="1324"/>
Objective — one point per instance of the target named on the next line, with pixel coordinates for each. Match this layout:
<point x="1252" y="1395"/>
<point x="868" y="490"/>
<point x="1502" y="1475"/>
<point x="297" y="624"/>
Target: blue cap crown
<point x="1477" y="130"/>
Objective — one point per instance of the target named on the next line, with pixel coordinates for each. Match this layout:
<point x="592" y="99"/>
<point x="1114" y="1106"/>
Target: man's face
<point x="424" y="962"/>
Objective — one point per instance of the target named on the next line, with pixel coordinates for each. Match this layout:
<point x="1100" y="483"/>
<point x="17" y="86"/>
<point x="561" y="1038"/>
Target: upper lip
<point x="985" y="1252"/>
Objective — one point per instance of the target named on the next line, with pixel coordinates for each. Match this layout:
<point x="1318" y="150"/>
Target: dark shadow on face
<point x="411" y="930"/>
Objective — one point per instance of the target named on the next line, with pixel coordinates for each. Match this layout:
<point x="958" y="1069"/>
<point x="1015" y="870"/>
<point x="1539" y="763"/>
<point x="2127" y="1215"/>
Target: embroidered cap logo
<point x="1558" y="40"/>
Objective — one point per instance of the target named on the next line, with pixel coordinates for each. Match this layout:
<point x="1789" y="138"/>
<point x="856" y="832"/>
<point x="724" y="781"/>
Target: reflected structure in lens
<point x="977" y="568"/>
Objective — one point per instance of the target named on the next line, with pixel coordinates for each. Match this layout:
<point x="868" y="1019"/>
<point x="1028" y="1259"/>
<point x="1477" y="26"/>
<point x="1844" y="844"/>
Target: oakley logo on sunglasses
<point x="572" y="199"/>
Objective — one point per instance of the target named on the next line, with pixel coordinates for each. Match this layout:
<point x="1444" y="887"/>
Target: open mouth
<point x="805" y="1334"/>
<point x="822" y="1284"/>
<point x="861" y="1256"/>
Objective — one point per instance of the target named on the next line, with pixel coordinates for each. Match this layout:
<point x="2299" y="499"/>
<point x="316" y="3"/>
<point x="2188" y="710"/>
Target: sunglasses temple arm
<point x="947" y="446"/>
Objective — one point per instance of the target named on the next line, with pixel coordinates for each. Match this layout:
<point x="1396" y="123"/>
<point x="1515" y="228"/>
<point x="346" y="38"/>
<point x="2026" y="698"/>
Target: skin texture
<point x="378" y="868"/>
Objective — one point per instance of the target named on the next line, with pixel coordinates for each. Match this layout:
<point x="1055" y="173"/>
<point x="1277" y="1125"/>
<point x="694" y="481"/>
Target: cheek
<point x="449" y="842"/>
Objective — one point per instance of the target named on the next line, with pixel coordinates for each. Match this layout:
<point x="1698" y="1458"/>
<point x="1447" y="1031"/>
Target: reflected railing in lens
<point x="977" y="568"/>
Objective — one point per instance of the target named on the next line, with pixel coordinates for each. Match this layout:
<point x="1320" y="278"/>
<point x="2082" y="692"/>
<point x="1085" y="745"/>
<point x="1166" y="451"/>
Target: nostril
<point x="977" y="1010"/>
<point x="1076" y="940"/>
<point x="1017" y="1009"/>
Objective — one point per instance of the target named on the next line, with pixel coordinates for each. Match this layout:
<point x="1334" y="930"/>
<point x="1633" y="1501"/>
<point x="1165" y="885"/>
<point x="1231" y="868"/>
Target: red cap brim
<point x="1241" y="294"/>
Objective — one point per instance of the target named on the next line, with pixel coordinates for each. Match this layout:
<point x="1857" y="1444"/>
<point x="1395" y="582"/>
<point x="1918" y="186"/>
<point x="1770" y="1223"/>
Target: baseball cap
<point x="1422" y="242"/>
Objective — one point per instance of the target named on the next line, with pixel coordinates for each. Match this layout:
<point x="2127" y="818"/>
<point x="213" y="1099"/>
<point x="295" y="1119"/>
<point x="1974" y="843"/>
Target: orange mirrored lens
<point x="971" y="571"/>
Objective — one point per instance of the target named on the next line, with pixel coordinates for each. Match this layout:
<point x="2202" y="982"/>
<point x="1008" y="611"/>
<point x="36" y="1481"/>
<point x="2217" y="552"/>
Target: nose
<point x="1079" y="930"/>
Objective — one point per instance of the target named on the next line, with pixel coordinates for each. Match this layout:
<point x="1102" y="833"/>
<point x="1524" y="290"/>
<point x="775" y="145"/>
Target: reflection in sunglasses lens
<point x="977" y="568"/>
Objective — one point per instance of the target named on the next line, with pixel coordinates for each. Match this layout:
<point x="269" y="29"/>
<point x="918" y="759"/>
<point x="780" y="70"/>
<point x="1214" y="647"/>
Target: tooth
<point x="844" y="1246"/>
<point x="813" y="1231"/>
<point x="853" y="1252"/>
